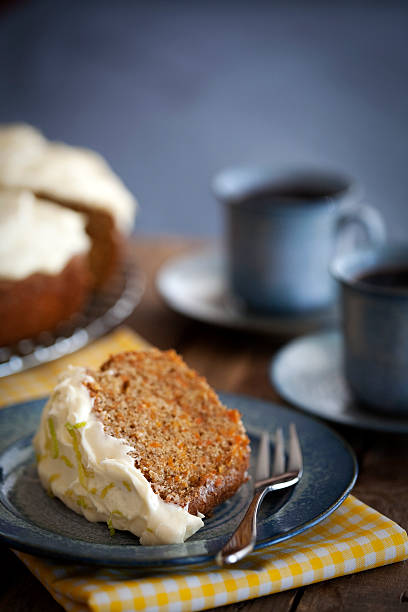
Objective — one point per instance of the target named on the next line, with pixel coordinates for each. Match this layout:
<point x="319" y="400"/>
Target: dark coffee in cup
<point x="391" y="278"/>
<point x="299" y="190"/>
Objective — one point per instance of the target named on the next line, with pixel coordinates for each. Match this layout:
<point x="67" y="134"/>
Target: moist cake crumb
<point x="193" y="450"/>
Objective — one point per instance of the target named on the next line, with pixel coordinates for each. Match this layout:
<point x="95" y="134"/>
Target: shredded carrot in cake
<point x="193" y="450"/>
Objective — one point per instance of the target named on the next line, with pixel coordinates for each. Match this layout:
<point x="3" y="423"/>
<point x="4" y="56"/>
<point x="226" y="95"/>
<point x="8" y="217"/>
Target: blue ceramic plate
<point x="308" y="373"/>
<point x="31" y="521"/>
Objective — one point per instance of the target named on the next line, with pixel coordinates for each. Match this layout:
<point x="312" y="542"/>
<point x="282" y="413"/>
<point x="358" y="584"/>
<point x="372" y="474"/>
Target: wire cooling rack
<point x="107" y="308"/>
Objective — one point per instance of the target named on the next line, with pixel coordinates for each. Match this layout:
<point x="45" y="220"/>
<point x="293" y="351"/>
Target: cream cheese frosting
<point x="20" y="144"/>
<point x="94" y="474"/>
<point x="68" y="174"/>
<point x="37" y="236"/>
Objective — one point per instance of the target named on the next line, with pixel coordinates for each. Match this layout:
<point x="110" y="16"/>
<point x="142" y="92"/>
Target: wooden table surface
<point x="236" y="361"/>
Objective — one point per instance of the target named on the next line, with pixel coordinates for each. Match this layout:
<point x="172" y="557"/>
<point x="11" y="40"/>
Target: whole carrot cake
<point x="44" y="266"/>
<point x="143" y="443"/>
<point x="75" y="178"/>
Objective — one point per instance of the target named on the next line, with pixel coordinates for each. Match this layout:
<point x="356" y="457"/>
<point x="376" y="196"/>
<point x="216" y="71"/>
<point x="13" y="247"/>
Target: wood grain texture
<point x="238" y="362"/>
<point x="20" y="591"/>
<point x="377" y="589"/>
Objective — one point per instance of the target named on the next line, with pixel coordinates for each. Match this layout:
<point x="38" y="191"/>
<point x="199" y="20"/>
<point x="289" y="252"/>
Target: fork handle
<point x="243" y="539"/>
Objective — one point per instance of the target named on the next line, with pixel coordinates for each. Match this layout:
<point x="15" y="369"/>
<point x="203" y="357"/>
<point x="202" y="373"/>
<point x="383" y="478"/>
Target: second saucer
<point x="308" y="373"/>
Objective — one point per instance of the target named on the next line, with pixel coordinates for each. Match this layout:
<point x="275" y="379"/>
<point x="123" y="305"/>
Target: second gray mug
<point x="281" y="234"/>
<point x="374" y="298"/>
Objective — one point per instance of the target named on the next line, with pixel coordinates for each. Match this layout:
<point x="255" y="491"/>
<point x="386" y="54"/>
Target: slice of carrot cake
<point x="143" y="444"/>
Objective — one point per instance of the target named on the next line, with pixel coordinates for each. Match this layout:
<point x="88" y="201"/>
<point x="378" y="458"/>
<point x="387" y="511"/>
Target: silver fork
<point x="243" y="539"/>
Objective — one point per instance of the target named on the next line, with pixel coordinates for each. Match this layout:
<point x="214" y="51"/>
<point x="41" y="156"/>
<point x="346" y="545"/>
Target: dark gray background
<point x="172" y="91"/>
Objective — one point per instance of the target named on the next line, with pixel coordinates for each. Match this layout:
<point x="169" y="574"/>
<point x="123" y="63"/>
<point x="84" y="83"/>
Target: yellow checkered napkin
<point x="355" y="537"/>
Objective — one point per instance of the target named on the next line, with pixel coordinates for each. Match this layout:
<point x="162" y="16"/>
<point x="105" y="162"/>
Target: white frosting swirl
<point x="20" y="144"/>
<point x="61" y="172"/>
<point x="93" y="473"/>
<point x="37" y="236"/>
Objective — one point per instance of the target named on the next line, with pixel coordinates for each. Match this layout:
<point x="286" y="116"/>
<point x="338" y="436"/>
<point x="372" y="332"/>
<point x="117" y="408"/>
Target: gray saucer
<point x="195" y="284"/>
<point x="307" y="372"/>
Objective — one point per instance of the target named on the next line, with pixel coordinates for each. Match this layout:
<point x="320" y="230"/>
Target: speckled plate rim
<point x="357" y="417"/>
<point x="41" y="542"/>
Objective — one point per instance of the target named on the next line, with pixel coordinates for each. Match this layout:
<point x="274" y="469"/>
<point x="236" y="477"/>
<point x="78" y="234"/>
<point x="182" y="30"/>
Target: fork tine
<point x="279" y="457"/>
<point x="263" y="461"/>
<point x="295" y="463"/>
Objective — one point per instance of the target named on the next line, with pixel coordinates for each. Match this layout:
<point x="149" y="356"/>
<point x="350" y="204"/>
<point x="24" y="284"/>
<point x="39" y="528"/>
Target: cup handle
<point x="367" y="217"/>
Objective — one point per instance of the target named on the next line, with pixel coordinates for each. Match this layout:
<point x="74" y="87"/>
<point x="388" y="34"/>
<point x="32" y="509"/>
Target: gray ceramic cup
<point x="281" y="231"/>
<point x="375" y="325"/>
